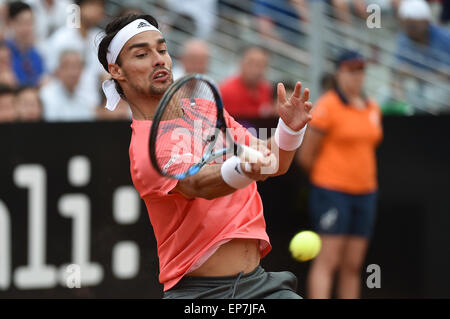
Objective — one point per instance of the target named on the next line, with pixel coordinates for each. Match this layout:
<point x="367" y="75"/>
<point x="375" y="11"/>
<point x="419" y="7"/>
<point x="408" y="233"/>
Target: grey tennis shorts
<point x="257" y="284"/>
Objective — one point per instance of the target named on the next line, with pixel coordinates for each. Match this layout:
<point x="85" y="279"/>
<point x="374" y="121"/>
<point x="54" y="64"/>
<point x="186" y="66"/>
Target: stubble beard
<point x="154" y="91"/>
<point x="159" y="91"/>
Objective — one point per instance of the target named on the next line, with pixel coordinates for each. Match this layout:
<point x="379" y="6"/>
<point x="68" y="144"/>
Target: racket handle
<point x="250" y="154"/>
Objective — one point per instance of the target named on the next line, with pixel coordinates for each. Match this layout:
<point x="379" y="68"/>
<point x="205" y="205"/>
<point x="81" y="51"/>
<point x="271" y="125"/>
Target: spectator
<point x="83" y="40"/>
<point x="49" y="15"/>
<point x="249" y="93"/>
<point x="281" y="19"/>
<point x="344" y="9"/>
<point x="194" y="58"/>
<point x="7" y="75"/>
<point x="422" y="44"/>
<point x="327" y="82"/>
<point x="423" y="50"/>
<point x="64" y="99"/>
<point x="28" y="104"/>
<point x="27" y="63"/>
<point x="8" y="113"/>
<point x="338" y="153"/>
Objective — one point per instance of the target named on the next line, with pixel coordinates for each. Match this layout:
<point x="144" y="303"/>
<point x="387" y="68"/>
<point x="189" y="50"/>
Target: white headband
<point x="114" y="48"/>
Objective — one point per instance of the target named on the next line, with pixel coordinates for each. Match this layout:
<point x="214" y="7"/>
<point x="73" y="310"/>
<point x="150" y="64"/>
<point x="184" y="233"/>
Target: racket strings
<point x="187" y="132"/>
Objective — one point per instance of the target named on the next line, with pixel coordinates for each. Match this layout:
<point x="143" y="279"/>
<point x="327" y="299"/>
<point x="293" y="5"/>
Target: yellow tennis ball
<point x="305" y="245"/>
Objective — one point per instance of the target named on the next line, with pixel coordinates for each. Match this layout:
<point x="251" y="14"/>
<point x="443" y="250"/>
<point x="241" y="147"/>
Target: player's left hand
<point x="295" y="111"/>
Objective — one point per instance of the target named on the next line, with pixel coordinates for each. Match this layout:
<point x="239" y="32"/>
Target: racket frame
<point x="209" y="155"/>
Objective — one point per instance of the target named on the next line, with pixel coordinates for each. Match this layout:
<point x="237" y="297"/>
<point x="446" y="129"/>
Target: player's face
<point x="146" y="64"/>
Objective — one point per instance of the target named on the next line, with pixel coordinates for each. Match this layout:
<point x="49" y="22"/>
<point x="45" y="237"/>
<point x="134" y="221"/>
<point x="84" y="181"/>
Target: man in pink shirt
<point x="210" y="229"/>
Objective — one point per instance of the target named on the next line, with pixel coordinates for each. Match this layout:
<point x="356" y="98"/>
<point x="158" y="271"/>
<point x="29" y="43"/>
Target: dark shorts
<point x="338" y="213"/>
<point x="257" y="284"/>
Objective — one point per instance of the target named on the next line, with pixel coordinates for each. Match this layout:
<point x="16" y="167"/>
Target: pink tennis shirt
<point x="187" y="231"/>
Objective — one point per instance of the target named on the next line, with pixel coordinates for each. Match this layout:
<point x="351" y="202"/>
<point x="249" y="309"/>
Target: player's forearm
<point x="284" y="145"/>
<point x="284" y="158"/>
<point x="208" y="184"/>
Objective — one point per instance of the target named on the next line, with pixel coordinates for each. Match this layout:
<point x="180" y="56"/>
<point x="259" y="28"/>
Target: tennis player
<point x="210" y="228"/>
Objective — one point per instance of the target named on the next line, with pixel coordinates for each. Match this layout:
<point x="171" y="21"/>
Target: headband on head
<point x="114" y="48"/>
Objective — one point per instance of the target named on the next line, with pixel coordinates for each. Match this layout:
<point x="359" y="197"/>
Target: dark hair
<point x="110" y="32"/>
<point x="6" y="89"/>
<point x="22" y="88"/>
<point x="242" y="50"/>
<point x="17" y="7"/>
<point x="327" y="82"/>
<point x="81" y="2"/>
<point x="346" y="56"/>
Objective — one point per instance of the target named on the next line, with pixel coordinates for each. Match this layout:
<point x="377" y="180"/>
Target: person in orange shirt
<point x="338" y="153"/>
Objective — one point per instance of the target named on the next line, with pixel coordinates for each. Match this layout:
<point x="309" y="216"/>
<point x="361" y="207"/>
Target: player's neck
<point x="143" y="109"/>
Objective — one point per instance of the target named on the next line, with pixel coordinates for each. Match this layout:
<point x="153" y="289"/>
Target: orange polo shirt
<point x="346" y="161"/>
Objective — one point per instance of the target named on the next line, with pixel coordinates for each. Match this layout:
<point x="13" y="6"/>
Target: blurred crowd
<point x="49" y="69"/>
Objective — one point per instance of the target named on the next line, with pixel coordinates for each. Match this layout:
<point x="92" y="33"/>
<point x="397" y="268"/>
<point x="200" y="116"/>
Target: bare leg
<point x="324" y="266"/>
<point x="354" y="252"/>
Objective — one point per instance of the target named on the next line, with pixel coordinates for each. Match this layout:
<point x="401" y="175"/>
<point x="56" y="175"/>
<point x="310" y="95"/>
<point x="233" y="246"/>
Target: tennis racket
<point x="189" y="130"/>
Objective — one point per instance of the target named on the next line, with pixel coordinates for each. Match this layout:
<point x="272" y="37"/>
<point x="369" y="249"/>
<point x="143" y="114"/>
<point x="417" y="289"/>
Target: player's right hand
<point x="260" y="169"/>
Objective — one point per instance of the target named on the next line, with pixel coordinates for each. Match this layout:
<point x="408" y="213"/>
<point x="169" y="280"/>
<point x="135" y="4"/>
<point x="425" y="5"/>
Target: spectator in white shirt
<point x="49" y="16"/>
<point x="64" y="99"/>
<point x="83" y="40"/>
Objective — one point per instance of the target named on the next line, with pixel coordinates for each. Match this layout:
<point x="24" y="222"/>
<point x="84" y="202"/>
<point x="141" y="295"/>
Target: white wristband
<point x="286" y="138"/>
<point x="232" y="174"/>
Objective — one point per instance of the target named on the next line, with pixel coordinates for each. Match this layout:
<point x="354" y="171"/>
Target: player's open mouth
<point x="160" y="76"/>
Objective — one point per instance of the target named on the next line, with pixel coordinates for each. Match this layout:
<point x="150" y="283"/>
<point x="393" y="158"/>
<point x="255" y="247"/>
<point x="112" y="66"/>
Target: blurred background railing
<point x="305" y="49"/>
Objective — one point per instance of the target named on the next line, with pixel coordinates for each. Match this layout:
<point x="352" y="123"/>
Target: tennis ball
<point x="305" y="245"/>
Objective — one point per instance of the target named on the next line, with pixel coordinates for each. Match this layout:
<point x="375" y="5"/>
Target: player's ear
<point x="116" y="71"/>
